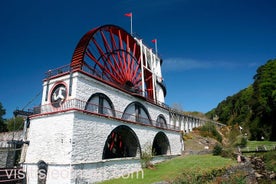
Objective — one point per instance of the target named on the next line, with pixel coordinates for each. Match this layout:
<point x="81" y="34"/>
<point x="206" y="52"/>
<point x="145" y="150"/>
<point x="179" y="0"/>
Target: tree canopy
<point x="3" y="126"/>
<point x="15" y="124"/>
<point x="254" y="107"/>
<point x="12" y="124"/>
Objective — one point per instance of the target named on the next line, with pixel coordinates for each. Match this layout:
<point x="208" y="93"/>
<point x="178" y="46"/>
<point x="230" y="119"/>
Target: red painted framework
<point x="114" y="55"/>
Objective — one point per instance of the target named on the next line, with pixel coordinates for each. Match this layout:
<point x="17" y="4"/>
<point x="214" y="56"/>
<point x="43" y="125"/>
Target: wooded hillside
<point x="253" y="108"/>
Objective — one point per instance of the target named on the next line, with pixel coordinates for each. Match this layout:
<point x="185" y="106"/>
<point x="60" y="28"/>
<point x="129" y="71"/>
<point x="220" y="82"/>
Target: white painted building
<point x="99" y="113"/>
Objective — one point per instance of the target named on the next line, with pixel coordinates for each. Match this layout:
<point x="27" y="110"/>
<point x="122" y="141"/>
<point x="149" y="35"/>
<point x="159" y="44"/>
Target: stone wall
<point x="77" y="139"/>
<point x="50" y="139"/>
<point x="4" y="147"/>
<point x="72" y="142"/>
<point x="87" y="86"/>
<point x="90" y="135"/>
<point x="3" y="157"/>
<point x="107" y="169"/>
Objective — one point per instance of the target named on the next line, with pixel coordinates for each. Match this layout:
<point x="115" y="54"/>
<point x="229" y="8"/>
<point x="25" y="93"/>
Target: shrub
<point x="240" y="141"/>
<point x="192" y="177"/>
<point x="270" y="160"/>
<point x="209" y="129"/>
<point x="228" y="153"/>
<point x="243" y="142"/>
<point x="186" y="137"/>
<point x="217" y="150"/>
<point x="146" y="156"/>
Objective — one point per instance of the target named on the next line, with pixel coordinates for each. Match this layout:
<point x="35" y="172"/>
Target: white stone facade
<point x="101" y="112"/>
<point x="71" y="141"/>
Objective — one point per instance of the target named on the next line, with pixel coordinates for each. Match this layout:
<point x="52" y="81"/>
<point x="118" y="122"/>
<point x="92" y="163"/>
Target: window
<point x="161" y="121"/>
<point x="137" y="112"/>
<point x="100" y="103"/>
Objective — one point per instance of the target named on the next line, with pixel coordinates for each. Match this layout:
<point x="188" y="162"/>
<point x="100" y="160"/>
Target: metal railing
<point x="78" y="104"/>
<point x="91" y="72"/>
<point x="95" y="109"/>
<point x="58" y="71"/>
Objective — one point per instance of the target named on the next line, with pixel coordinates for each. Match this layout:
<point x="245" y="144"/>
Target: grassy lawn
<point x="170" y="170"/>
<point x="260" y="143"/>
<point x="253" y="145"/>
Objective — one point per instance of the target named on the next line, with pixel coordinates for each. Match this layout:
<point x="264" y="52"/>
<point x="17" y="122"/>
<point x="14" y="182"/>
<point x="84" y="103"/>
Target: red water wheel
<point x="111" y="54"/>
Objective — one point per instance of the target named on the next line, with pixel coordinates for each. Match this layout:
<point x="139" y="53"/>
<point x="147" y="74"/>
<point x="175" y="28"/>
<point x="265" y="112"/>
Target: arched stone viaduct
<point x="187" y="122"/>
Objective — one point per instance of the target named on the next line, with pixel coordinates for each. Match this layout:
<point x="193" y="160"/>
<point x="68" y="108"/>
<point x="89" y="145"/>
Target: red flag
<point x="128" y="14"/>
<point x="153" y="41"/>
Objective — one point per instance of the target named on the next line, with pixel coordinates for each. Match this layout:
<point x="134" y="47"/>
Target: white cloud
<point x="182" y="64"/>
<point x="253" y="64"/>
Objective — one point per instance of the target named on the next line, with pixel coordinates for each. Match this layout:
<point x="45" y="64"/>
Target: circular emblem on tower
<point x="58" y="95"/>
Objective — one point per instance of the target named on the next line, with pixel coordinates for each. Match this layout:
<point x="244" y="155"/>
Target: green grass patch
<point x="173" y="169"/>
<point x="254" y="145"/>
<point x="261" y="143"/>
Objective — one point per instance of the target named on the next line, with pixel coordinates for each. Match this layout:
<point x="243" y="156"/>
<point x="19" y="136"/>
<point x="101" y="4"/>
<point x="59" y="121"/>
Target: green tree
<point x="15" y="124"/>
<point x="264" y="111"/>
<point x="254" y="107"/>
<point x="234" y="109"/>
<point x="3" y="126"/>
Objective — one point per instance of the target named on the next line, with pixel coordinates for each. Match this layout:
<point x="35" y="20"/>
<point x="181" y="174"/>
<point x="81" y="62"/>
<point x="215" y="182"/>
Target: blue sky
<point x="210" y="48"/>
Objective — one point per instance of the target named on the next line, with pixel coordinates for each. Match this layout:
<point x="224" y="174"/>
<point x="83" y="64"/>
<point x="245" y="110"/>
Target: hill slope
<point x="253" y="108"/>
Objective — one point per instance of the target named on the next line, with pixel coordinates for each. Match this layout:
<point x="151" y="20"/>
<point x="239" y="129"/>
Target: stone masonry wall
<point x="73" y="141"/>
<point x="76" y="140"/>
<point x="4" y="146"/>
<point x="88" y="86"/>
<point x="50" y="139"/>
<point x="90" y="135"/>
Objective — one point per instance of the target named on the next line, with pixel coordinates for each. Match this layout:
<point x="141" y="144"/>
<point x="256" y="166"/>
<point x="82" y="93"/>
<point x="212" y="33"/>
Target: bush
<point x="146" y="156"/>
<point x="217" y="150"/>
<point x="209" y="130"/>
<point x="186" y="137"/>
<point x="270" y="160"/>
<point x="199" y="178"/>
<point x="240" y="141"/>
<point x="243" y="142"/>
<point x="228" y="153"/>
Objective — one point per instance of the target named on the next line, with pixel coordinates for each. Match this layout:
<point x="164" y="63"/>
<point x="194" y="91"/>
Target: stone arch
<point x="100" y="103"/>
<point x="161" y="145"/>
<point x="121" y="142"/>
<point x="137" y="112"/>
<point x="161" y="121"/>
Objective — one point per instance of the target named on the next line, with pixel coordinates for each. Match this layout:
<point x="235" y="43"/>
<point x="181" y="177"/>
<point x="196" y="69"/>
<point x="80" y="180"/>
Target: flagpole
<point x="130" y="15"/>
<point x="156" y="47"/>
<point x="131" y="24"/>
<point x="155" y="44"/>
